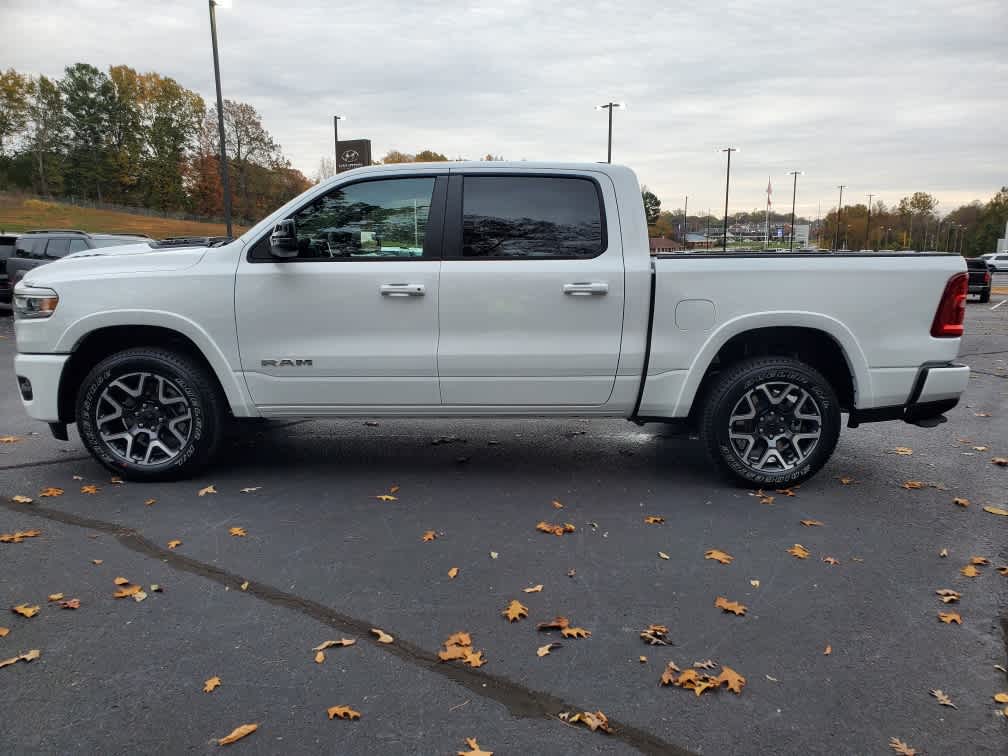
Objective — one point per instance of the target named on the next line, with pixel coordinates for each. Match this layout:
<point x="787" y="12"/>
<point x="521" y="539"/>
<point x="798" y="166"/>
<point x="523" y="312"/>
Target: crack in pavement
<point x="520" y="701"/>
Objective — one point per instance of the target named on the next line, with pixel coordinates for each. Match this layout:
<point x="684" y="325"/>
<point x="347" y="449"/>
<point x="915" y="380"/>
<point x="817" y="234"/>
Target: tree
<point x="652" y="205"/>
<point x="46" y="134"/>
<point x="172" y="115"/>
<point x="88" y="97"/>
<point x="429" y="156"/>
<point x="14" y="92"/>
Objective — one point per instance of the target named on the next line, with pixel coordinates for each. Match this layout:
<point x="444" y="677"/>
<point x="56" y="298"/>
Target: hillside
<point x="20" y="214"/>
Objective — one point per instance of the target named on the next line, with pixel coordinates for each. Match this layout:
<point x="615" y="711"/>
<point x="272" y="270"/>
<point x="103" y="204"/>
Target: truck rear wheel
<point x="150" y="414"/>
<point x="770" y="422"/>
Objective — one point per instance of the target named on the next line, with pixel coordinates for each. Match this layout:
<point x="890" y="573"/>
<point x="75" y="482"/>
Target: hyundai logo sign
<point x="354" y="153"/>
<point x="351" y="156"/>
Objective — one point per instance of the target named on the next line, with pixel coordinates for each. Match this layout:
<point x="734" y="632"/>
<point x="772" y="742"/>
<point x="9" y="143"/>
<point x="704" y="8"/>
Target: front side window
<point x="78" y="245"/>
<point x="370" y="220"/>
<point x="57" y="248"/>
<point x="531" y="217"/>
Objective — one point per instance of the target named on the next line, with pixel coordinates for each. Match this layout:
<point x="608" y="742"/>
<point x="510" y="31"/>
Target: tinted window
<point x="78" y="245"/>
<point x="26" y="246"/>
<point x="530" y="216"/>
<point x="57" y="247"/>
<point x="371" y="220"/>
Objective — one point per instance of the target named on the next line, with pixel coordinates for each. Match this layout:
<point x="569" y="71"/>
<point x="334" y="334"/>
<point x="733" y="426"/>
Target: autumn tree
<point x="45" y="135"/>
<point x="652" y="205"/>
<point x="14" y="91"/>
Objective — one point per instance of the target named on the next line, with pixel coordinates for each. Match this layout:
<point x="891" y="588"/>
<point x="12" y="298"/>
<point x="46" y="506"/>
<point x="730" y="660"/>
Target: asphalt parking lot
<point x="322" y="558"/>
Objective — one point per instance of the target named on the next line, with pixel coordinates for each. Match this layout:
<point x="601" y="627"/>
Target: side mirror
<point x="283" y="240"/>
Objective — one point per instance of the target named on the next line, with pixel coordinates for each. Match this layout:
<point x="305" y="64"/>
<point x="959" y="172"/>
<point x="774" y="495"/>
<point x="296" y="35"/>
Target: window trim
<point x="433" y="234"/>
<point x="453" y="226"/>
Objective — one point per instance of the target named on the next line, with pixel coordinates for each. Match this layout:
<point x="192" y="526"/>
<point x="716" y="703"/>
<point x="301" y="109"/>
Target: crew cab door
<point x="532" y="289"/>
<point x="351" y="320"/>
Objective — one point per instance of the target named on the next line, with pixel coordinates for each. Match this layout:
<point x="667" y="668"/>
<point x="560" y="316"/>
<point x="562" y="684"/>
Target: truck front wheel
<point x="770" y="422"/>
<point x="150" y="414"/>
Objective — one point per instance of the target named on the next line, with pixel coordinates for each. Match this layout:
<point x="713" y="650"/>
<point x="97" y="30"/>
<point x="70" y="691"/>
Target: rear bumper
<point x="41" y="395"/>
<point x="935" y="391"/>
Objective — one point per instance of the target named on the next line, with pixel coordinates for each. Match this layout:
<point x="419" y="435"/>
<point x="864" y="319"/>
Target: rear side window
<point x="26" y="247"/>
<point x="78" y="245"/>
<point x="57" y="247"/>
<point x="544" y="217"/>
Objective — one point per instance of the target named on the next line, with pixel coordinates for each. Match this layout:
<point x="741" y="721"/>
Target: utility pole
<point x="794" y="193"/>
<point x="948" y="237"/>
<point x="225" y="182"/>
<point x="724" y="236"/>
<point x="836" y="241"/>
<point x="610" y="106"/>
<point x="867" y="238"/>
<point x="685" y="221"/>
<point x="335" y="127"/>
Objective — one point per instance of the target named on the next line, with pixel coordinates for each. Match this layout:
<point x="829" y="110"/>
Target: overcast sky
<point x="886" y="97"/>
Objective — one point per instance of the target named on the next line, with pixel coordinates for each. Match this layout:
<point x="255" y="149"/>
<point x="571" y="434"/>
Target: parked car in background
<point x="979" y="277"/>
<point x="34" y="248"/>
<point x="6" y="287"/>
<point x="999" y="262"/>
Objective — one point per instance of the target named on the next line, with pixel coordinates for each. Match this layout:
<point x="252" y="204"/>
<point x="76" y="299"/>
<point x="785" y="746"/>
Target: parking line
<point x="999" y="304"/>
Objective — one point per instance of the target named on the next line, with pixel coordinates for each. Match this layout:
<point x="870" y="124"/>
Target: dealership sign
<point x="355" y="153"/>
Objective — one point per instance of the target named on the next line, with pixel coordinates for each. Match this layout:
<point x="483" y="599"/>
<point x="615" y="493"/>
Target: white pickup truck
<point x="484" y="290"/>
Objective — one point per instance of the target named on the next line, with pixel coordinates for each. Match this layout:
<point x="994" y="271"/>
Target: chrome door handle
<point x="586" y="289"/>
<point x="402" y="290"/>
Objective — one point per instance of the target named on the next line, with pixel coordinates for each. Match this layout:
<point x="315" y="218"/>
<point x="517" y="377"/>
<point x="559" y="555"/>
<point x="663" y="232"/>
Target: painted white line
<point x="999" y="304"/>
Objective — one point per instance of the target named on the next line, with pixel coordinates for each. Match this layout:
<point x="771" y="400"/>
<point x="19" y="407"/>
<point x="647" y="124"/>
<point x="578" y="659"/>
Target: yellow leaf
<point x="19" y="535"/>
<point x="663" y="555"/>
<point x="19" y="499"/>
<point x="668" y="676"/>
<point x="238" y="733"/>
<point x="533" y="588"/>
<point x="121" y="581"/>
<point x="116" y="480"/>
<point x="959" y="501"/>
<point x="950" y="617"/>
<point x="515" y="611"/>
<point x="4" y="631"/>
<point x="429" y="535"/>
<point x="901" y="748"/>
<point x="1001" y="697"/>
<point x="544" y="650"/>
<point x="970" y="571"/>
<point x="9" y="439"/>
<point x="459" y="639"/>
<point x="25" y="610"/>
<point x="642" y="659"/>
<point x="211" y="685"/>
<point x="50" y="492"/>
<point x="557" y="530"/>
<point x="474" y="749"/>
<point x="655" y="635"/>
<point x="55" y="596"/>
<point x="845" y="480"/>
<point x="654" y="519"/>
<point x="208" y="490"/>
<point x="452" y="573"/>
<point x="979" y="560"/>
<point x="798" y="551"/>
<point x="719" y="556"/>
<point x="575" y="632"/>
<point x="948" y="595"/>
<point x="383" y="637"/>
<point x="386" y="497"/>
<point x="92" y="490"/>
<point x="729" y="606"/>
<point x="330" y="643"/>
<point x="811" y="523"/>
<point x="393" y="489"/>
<point x="785" y="492"/>
<point x="474" y="659"/>
<point x="754" y="583"/>
<point x="28" y="656"/>
<point x="73" y="603"/>
<point x="237" y="531"/>
<point x="319" y="657"/>
<point x="731" y="679"/>
<point x="943" y="698"/>
<point x="97" y="561"/>
<point x="903" y="451"/>
<point x="912" y="485"/>
<point x="557" y="504"/>
<point x="245" y="585"/>
<point x="150" y="502"/>
<point x="997" y="511"/>
<point x="174" y="544"/>
<point x="343" y="712"/>
<point x="126" y="591"/>
<point x="557" y="623"/>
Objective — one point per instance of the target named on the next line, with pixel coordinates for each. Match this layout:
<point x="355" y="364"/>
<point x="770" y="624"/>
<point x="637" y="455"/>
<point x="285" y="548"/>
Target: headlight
<point x="34" y="303"/>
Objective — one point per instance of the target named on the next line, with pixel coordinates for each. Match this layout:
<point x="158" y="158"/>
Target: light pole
<point x="335" y="127"/>
<point x="610" y="106"/>
<point x="867" y="231"/>
<point x="836" y="241"/>
<point x="794" y="193"/>
<point x="948" y="237"/>
<point x="225" y="183"/>
<point x="724" y="233"/>
<point x="684" y="221"/>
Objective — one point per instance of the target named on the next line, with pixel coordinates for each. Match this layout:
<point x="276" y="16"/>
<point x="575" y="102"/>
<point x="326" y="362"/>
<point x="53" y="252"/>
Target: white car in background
<point x="998" y="262"/>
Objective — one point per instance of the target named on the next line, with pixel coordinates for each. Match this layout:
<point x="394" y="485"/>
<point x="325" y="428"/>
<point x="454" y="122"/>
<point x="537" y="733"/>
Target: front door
<point x="531" y="299"/>
<point x="352" y="319"/>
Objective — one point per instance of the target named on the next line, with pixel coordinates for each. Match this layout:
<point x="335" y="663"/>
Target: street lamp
<point x="836" y="241"/>
<point x="225" y="183"/>
<point x="724" y="233"/>
<point x="867" y="230"/>
<point x="948" y="238"/>
<point x="794" y="193"/>
<point x="335" y="127"/>
<point x="610" y="106"/>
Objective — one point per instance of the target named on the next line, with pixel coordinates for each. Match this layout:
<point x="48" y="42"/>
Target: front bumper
<point x="935" y="391"/>
<point x="42" y="372"/>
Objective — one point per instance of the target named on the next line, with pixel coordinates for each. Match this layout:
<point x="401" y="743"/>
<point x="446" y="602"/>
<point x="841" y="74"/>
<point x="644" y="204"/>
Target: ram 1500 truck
<point x="484" y="290"/>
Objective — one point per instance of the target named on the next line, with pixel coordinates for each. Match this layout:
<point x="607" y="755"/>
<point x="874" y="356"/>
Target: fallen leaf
<point x="150" y="502"/>
<point x="943" y="553"/>
<point x="828" y="650"/>
<point x="949" y="617"/>
<point x="393" y="489"/>
<point x="208" y="490"/>
<point x="429" y="535"/>
<point x="250" y="489"/>
<point x="844" y="480"/>
<point x="534" y="588"/>
<point x="903" y="451"/>
<point x="474" y="749"/>
<point x="9" y="439"/>
<point x="729" y="606"/>
<point x="237" y="531"/>
<point x="126" y="591"/>
<point x="55" y="597"/>
<point x="912" y="485"/>
<point x="25" y="610"/>
<point x="211" y="685"/>
<point x="50" y="492"/>
<point x="557" y="623"/>
<point x="557" y="530"/>
<point x="1001" y="697"/>
<point x="979" y="560"/>
<point x="668" y="676"/>
<point x="174" y="544"/>
<point x="116" y="480"/>
<point x="343" y="712"/>
<point x="155" y="588"/>
<point x="557" y="504"/>
<point x="571" y="572"/>
<point x="831" y="560"/>
<point x="4" y="631"/>
<point x="798" y="551"/>
<point x="764" y="498"/>
<point x="91" y="490"/>
<point x="754" y="583"/>
<point x="238" y="733"/>
<point x="731" y="679"/>
<point x="342" y="642"/>
<point x="948" y="595"/>
<point x="997" y="511"/>
<point x="654" y="519"/>
<point x="452" y="573"/>
<point x="642" y="659"/>
<point x="593" y="720"/>
<point x="1000" y="461"/>
<point x="970" y="571"/>
<point x="474" y="658"/>
<point x="19" y="499"/>
<point x="811" y="523"/>
<point x="97" y="561"/>
<point x="494" y="555"/>
<point x="19" y="535"/>
<point x="705" y="664"/>
<point x="575" y="632"/>
<point x="386" y="497"/>
<point x="663" y="555"/>
<point x="245" y="585"/>
<point x="319" y="657"/>
<point x="943" y="699"/>
<point x="383" y="637"/>
<point x="901" y="748"/>
<point x="959" y="501"/>
<point x="544" y="650"/>
<point x="73" y="603"/>
<point x="121" y="581"/>
<point x="655" y="635"/>
<point x="28" y="656"/>
<point x="980" y="448"/>
<point x="1003" y="571"/>
<point x="515" y="611"/>
<point x="719" y="556"/>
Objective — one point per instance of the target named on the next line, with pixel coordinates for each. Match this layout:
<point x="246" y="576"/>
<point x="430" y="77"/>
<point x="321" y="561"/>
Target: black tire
<point x="985" y="297"/>
<point x="728" y="391"/>
<point x="191" y="388"/>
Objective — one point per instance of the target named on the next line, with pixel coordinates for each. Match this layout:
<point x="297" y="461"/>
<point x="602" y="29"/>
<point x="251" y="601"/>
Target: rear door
<point x="532" y="289"/>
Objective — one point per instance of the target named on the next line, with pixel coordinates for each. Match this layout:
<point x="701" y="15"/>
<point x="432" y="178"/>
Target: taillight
<point x="987" y="277"/>
<point x="948" y="320"/>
